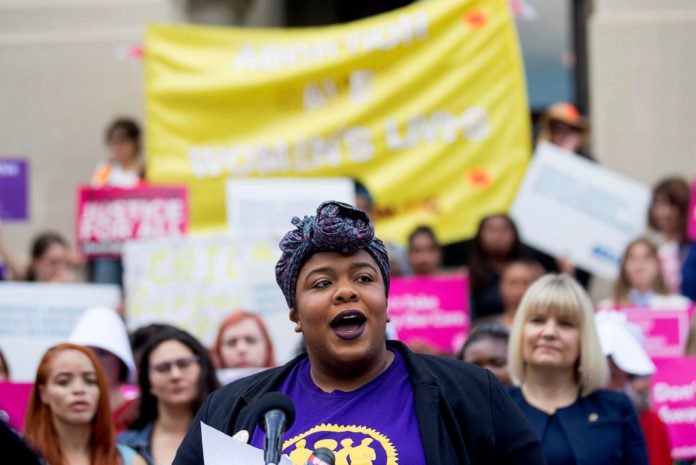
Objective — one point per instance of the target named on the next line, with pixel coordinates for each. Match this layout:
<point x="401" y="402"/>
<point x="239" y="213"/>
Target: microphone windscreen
<point x="323" y="456"/>
<point x="276" y="401"/>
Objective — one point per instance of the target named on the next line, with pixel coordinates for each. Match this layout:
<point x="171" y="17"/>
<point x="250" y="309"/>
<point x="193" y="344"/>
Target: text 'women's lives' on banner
<point x="35" y="316"/>
<point x="195" y="282"/>
<point x="665" y="331"/>
<point x="568" y="206"/>
<point x="430" y="311"/>
<point x="674" y="400"/>
<point x="107" y="217"/>
<point x="426" y="105"/>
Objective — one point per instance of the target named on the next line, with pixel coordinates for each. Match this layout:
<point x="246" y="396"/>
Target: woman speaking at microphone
<point x="369" y="400"/>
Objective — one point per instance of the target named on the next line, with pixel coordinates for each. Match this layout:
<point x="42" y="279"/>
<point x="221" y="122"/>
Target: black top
<point x="601" y="428"/>
<point x="13" y="448"/>
<point x="465" y="416"/>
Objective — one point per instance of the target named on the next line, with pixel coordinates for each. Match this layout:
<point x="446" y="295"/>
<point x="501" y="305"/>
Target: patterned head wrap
<point x="337" y="227"/>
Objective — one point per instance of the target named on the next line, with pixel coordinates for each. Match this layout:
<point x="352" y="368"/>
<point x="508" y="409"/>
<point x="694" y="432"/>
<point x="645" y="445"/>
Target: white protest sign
<point x="221" y="449"/>
<point x="262" y="205"/>
<point x="34" y="317"/>
<point x="195" y="282"/>
<point x="572" y="207"/>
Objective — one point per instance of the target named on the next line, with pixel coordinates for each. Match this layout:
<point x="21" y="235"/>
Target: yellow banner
<point x="425" y="105"/>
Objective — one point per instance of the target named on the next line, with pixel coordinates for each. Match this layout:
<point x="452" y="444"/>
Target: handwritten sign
<point x="195" y="282"/>
<point x="432" y="311"/>
<point x="14" y="190"/>
<point x="674" y="400"/>
<point x="107" y="217"/>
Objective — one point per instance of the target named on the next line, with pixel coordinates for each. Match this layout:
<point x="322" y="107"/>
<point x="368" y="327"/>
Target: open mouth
<point x="349" y="324"/>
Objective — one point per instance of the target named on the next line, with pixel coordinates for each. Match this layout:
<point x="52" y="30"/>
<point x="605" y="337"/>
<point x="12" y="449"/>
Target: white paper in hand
<point x="221" y="449"/>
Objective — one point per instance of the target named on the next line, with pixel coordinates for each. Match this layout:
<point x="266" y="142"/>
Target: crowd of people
<point x="567" y="382"/>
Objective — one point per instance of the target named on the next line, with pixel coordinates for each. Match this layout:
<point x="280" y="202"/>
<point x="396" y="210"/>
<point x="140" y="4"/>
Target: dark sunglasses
<point x="181" y="363"/>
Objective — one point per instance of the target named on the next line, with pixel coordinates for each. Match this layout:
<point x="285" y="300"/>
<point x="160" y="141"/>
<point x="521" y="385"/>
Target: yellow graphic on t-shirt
<point x="352" y="445"/>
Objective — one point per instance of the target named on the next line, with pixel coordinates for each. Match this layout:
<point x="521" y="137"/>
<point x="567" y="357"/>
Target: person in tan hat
<point x="562" y="125"/>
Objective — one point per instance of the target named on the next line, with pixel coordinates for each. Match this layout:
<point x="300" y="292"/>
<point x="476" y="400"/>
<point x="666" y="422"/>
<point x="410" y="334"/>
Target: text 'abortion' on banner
<point x="425" y="105"/>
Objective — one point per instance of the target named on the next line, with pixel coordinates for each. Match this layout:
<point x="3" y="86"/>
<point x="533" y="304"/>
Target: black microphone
<point x="276" y="415"/>
<point x="321" y="456"/>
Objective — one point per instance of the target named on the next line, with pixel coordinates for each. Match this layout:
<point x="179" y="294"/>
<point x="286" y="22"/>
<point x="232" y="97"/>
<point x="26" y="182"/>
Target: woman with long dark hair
<point x="668" y="218"/>
<point x="51" y="260"/>
<point x="497" y="242"/>
<point x="175" y="375"/>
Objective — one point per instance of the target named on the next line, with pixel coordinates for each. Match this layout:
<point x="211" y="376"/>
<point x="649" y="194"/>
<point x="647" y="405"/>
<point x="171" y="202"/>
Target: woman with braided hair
<point x="368" y="399"/>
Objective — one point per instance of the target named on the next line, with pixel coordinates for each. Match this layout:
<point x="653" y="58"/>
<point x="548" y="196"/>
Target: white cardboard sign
<point x="572" y="207"/>
<point x="263" y="205"/>
<point x="34" y="317"/>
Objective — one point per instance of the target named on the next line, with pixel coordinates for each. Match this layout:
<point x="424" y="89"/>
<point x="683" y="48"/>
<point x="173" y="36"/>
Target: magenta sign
<point x="433" y="311"/>
<point x="14" y="398"/>
<point x="665" y="331"/>
<point x="674" y="400"/>
<point x="108" y="217"/>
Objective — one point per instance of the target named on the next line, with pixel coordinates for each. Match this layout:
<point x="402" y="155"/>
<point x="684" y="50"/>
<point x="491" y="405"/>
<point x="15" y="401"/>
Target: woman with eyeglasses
<point x="175" y="375"/>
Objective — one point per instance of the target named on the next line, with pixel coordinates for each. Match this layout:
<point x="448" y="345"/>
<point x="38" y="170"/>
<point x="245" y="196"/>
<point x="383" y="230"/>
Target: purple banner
<point x="14" y="189"/>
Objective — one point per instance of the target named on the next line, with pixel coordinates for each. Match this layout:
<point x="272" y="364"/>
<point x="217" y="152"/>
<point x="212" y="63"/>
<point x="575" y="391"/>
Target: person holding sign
<point x="68" y="418"/>
<point x="367" y="399"/>
<point x="564" y="126"/>
<point x="557" y="363"/>
<point x="125" y="168"/>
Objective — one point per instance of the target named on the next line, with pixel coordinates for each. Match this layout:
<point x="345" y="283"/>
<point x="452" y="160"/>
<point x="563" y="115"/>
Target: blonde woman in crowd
<point x="641" y="282"/>
<point x="557" y="363"/>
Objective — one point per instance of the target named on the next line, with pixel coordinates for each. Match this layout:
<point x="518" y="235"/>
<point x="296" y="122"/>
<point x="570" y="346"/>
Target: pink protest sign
<point x="108" y="217"/>
<point x="14" y="398"/>
<point x="665" y="331"/>
<point x="674" y="400"/>
<point x="430" y="310"/>
<point x="692" y="212"/>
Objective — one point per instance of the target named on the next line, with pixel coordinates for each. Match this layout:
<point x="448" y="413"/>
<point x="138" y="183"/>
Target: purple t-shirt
<point x="373" y="425"/>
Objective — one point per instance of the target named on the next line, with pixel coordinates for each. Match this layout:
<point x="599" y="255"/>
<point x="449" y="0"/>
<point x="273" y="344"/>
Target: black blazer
<point x="602" y="428"/>
<point x="465" y="416"/>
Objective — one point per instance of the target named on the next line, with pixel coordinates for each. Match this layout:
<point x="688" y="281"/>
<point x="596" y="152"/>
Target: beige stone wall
<point x="643" y="86"/>
<point x="642" y="57"/>
<point x="62" y="82"/>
